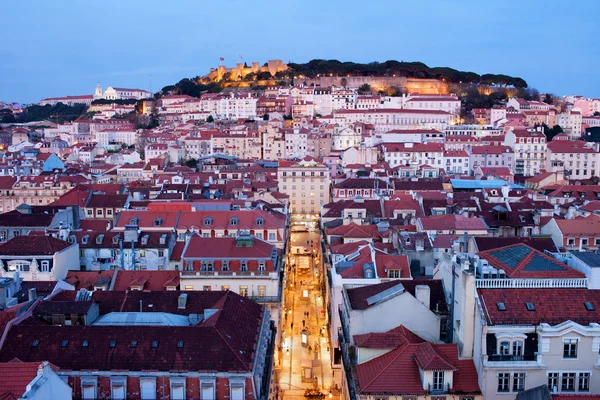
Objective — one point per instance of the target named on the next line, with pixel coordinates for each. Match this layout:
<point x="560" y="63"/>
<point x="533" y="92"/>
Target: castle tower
<point x="98" y="92"/>
<point x="239" y="70"/>
<point x="255" y="67"/>
<point x="220" y="72"/>
<point x="274" y="66"/>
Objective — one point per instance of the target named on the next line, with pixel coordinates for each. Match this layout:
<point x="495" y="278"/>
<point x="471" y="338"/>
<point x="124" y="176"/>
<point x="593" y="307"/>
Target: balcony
<point x="511" y="358"/>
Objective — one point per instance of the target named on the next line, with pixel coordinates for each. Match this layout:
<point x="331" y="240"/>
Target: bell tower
<point x="98" y="93"/>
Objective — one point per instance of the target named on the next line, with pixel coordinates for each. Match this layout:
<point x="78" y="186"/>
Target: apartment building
<point x="307" y="184"/>
<point x="530" y="150"/>
<point x="576" y="158"/>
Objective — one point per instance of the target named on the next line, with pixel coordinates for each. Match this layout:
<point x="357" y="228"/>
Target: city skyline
<point x="66" y="49"/>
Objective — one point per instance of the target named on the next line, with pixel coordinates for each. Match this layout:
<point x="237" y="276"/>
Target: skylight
<point x="501" y="306"/>
<point x="113" y="343"/>
<point x="134" y="344"/>
<point x="589" y="306"/>
<point x="180" y="344"/>
<point x="64" y="343"/>
<point x="35" y="343"/>
<point x="530" y="306"/>
<point x="155" y="343"/>
<point x="85" y="343"/>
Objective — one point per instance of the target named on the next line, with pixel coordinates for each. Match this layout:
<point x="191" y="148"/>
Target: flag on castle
<point x="240" y="57"/>
<point x="222" y="58"/>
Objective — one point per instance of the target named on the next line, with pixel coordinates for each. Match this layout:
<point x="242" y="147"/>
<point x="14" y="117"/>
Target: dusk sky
<point x="58" y="48"/>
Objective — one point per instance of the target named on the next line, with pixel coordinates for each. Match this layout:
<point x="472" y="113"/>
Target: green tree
<point x="365" y="88"/>
<point x="210" y="119"/>
<point x="548" y="98"/>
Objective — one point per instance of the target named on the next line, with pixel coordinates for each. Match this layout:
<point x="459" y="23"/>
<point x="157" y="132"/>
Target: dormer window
<point x="158" y="222"/>
<point x="244" y="265"/>
<point x="438" y="380"/>
<point x="145" y="239"/>
<point x="85" y="239"/>
<point x="115" y="239"/>
<point x="233" y="221"/>
<point x="99" y="239"/>
<point x="71" y="239"/>
<point x="262" y="266"/>
<point x="369" y="273"/>
<point x="163" y="238"/>
<point x="225" y="265"/>
<point x="259" y="221"/>
<point x="207" y="221"/>
<point x="134" y="221"/>
<point x="207" y="266"/>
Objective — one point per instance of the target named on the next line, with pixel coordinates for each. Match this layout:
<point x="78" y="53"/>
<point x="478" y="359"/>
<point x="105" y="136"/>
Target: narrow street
<point x="302" y="361"/>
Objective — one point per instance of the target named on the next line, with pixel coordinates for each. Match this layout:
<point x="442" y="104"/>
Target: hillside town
<point x="322" y="237"/>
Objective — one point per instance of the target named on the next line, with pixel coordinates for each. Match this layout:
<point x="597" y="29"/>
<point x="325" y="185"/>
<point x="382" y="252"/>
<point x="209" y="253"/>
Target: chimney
<point x="423" y="294"/>
<point x="17" y="281"/>
<point x="108" y="226"/>
<point x="182" y="301"/>
<point x="32" y="294"/>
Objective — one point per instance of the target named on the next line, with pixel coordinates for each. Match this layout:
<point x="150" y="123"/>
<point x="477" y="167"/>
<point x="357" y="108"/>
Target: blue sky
<point x="64" y="47"/>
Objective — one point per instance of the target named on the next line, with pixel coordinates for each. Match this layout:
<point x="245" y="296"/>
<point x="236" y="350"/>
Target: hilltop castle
<point x="241" y="70"/>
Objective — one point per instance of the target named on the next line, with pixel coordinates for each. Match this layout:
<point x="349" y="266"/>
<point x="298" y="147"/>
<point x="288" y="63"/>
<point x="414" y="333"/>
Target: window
<point x="570" y="348"/>
<point x="64" y="343"/>
<point x="584" y="382"/>
<point x="154" y="344"/>
<point x="113" y="344"/>
<point x="225" y="287"/>
<point x="568" y="382"/>
<point x="208" y="392"/>
<point x="237" y="392"/>
<point x="504" y="348"/>
<point x="259" y="221"/>
<point x="518" y="381"/>
<point x="244" y="265"/>
<point x="180" y="344"/>
<point x="394" y="273"/>
<point x="438" y="380"/>
<point x="530" y="306"/>
<point x="206" y="288"/>
<point x="177" y="388"/>
<point x="233" y="221"/>
<point x="262" y="266"/>
<point x="148" y="388"/>
<point x="571" y="242"/>
<point x="517" y="348"/>
<point x="503" y="382"/>
<point x="272" y="236"/>
<point x="118" y="388"/>
<point x="244" y="290"/>
<point x="85" y="343"/>
<point x="133" y="344"/>
<point x="189" y="287"/>
<point x="88" y="387"/>
<point x="501" y="306"/>
<point x="45" y="266"/>
<point x="552" y="381"/>
<point x="589" y="306"/>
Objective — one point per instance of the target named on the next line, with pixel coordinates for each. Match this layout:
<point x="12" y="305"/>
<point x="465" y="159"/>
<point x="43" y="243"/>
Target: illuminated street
<point x="303" y="358"/>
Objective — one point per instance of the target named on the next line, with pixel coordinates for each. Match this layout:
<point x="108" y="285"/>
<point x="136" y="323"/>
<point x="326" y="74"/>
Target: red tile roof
<point x="552" y="306"/>
<point x="33" y="245"/>
<point x="89" y="279"/>
<point x="429" y="359"/>
<point x="580" y="226"/>
<point x="387" y="340"/>
<point x="16" y="375"/>
<point x="148" y="280"/>
<point x="227" y="341"/>
<point x="397" y="372"/>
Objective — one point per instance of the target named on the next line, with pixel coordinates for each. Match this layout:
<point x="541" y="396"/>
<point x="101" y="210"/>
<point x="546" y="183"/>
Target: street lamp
<point x="330" y="394"/>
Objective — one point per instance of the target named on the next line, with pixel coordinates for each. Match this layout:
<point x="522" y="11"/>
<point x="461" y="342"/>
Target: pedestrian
<point x="303" y="323"/>
<point x="307" y="315"/>
<point x="309" y="348"/>
<point x="285" y="316"/>
<point x="292" y="326"/>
